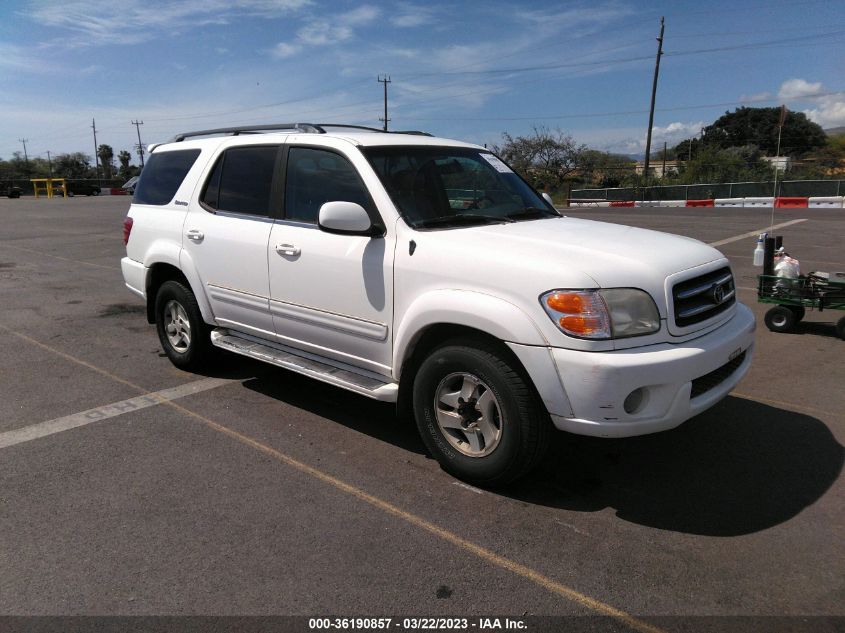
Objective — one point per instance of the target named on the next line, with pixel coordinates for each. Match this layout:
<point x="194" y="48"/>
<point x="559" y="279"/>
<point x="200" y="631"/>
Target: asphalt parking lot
<point x="255" y="491"/>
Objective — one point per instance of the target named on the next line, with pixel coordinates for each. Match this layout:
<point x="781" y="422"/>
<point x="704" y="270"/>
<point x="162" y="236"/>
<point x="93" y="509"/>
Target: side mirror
<point x="347" y="218"/>
<point x="547" y="198"/>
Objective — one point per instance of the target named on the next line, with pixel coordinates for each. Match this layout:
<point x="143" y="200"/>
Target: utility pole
<point x="385" y="81"/>
<point x="653" y="95"/>
<point x="96" y="156"/>
<point x="140" y="147"/>
<point x="781" y="121"/>
<point x="49" y="163"/>
<point x="664" y="160"/>
<point x="25" y="156"/>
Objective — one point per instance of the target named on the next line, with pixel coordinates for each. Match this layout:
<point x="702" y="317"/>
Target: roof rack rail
<point x="299" y="127"/>
<point x="371" y="129"/>
<point x="354" y="127"/>
<point x="307" y="128"/>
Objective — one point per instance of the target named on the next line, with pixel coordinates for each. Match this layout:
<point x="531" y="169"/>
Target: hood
<point x="540" y="255"/>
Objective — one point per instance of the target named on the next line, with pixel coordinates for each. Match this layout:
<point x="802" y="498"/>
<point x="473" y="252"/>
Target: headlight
<point x="602" y="314"/>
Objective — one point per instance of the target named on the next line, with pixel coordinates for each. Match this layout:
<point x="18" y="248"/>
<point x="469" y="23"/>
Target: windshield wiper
<point x="459" y="219"/>
<point x="533" y="212"/>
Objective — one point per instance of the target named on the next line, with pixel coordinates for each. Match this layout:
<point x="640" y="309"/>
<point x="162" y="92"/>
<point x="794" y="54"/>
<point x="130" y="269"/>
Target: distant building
<point x="656" y="168"/>
<point x="781" y="163"/>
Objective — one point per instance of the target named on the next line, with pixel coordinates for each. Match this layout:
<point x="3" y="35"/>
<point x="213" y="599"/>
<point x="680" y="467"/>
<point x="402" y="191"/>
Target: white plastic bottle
<point x="759" y="251"/>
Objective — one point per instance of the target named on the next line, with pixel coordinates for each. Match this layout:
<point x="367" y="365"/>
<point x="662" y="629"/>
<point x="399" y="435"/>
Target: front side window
<point x="162" y="176"/>
<point x="241" y="180"/>
<point x="439" y="187"/>
<point x="315" y="177"/>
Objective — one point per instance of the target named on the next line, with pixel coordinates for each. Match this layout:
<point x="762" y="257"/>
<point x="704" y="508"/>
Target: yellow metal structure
<point x="49" y="186"/>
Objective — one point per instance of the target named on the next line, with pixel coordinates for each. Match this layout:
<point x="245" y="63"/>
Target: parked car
<point x="129" y="185"/>
<point x="10" y="190"/>
<point x="82" y="188"/>
<point x="425" y="271"/>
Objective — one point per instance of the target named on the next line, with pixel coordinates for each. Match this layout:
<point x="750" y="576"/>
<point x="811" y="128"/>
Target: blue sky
<point x="467" y="70"/>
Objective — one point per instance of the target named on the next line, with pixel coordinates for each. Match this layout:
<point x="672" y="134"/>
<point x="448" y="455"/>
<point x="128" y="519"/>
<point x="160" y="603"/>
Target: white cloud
<point x="283" y="49"/>
<point x="326" y="31"/>
<point x="830" y="113"/>
<point x="412" y="15"/>
<point x="792" y="89"/>
<point x="829" y="110"/>
<point x="99" y="22"/>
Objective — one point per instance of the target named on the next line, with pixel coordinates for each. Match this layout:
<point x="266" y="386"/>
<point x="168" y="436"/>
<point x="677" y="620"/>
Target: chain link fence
<point x="798" y="188"/>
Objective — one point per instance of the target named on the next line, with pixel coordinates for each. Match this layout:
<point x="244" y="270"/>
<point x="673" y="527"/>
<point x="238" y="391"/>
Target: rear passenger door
<point x="226" y="235"/>
<point x="330" y="294"/>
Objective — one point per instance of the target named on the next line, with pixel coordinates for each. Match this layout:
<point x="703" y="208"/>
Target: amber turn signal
<point x="583" y="325"/>
<point x="567" y="302"/>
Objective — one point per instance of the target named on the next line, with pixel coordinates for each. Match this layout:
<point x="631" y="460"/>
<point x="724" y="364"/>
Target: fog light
<point x="635" y="401"/>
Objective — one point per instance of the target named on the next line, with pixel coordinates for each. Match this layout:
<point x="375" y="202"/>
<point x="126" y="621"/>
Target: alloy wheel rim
<point x="468" y="414"/>
<point x="177" y="327"/>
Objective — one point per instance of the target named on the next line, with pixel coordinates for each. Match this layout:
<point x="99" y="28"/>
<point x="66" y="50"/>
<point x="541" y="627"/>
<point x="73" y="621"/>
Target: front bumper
<point x="595" y="384"/>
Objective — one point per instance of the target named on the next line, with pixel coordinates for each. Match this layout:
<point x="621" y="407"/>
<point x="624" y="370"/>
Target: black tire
<point x="798" y="311"/>
<point x="840" y="328"/>
<point x="780" y="319"/>
<point x="185" y="355"/>
<point x="95" y="192"/>
<point x="523" y="425"/>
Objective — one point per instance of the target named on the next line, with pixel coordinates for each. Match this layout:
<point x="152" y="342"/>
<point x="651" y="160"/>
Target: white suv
<point x="422" y="270"/>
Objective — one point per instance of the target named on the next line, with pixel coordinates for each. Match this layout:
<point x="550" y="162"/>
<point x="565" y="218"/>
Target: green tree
<point x="106" y="155"/>
<point x="733" y="164"/>
<point x="74" y="165"/>
<point x="545" y="157"/>
<point x="603" y="169"/>
<point x="759" y="126"/>
<point x="123" y="157"/>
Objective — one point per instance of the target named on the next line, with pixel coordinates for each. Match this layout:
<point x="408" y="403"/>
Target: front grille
<point x="703" y="297"/>
<point x="716" y="377"/>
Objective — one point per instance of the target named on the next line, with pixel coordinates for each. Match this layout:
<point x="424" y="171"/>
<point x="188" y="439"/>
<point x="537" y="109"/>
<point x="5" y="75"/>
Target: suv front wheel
<point x="181" y="330"/>
<point x="478" y="416"/>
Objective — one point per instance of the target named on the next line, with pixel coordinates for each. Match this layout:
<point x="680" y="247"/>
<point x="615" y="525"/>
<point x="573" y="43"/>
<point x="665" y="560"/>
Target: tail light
<point x="127" y="229"/>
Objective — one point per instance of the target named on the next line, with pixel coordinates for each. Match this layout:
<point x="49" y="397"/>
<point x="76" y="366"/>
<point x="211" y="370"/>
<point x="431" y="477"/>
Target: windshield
<point x="442" y="187"/>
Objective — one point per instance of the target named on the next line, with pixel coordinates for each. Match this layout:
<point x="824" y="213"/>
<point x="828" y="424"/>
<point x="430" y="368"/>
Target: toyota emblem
<point x="718" y="294"/>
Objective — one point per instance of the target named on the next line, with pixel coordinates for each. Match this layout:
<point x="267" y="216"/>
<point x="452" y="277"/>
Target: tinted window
<point x="162" y="176"/>
<point x="211" y="195"/>
<point x="431" y="186"/>
<point x="315" y="177"/>
<point x="245" y="176"/>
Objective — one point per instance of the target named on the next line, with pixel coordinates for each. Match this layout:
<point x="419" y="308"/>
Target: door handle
<point x="194" y="235"/>
<point x="287" y="249"/>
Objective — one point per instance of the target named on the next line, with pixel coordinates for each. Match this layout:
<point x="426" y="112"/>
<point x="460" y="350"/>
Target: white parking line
<point x="43" y="429"/>
<point x="736" y="238"/>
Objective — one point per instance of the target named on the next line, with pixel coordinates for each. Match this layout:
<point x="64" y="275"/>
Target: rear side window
<point x="241" y="180"/>
<point x="162" y="176"/>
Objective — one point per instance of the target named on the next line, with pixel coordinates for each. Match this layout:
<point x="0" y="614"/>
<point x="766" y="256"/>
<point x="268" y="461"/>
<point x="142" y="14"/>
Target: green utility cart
<point x="818" y="290"/>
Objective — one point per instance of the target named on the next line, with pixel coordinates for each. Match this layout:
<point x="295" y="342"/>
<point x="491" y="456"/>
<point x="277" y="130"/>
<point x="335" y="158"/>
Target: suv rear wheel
<point x="181" y="330"/>
<point x="478" y="416"/>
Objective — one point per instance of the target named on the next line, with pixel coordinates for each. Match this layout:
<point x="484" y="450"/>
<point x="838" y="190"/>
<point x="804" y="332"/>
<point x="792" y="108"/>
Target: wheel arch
<point x="161" y="272"/>
<point x="450" y="313"/>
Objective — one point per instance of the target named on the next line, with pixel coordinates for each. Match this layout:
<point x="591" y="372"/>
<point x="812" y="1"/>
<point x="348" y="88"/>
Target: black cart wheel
<point x="798" y="311"/>
<point x="840" y="328"/>
<point x="478" y="416"/>
<point x="780" y="319"/>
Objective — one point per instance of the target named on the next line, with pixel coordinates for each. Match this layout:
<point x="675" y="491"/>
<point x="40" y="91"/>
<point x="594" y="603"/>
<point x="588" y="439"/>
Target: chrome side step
<point x="365" y="383"/>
